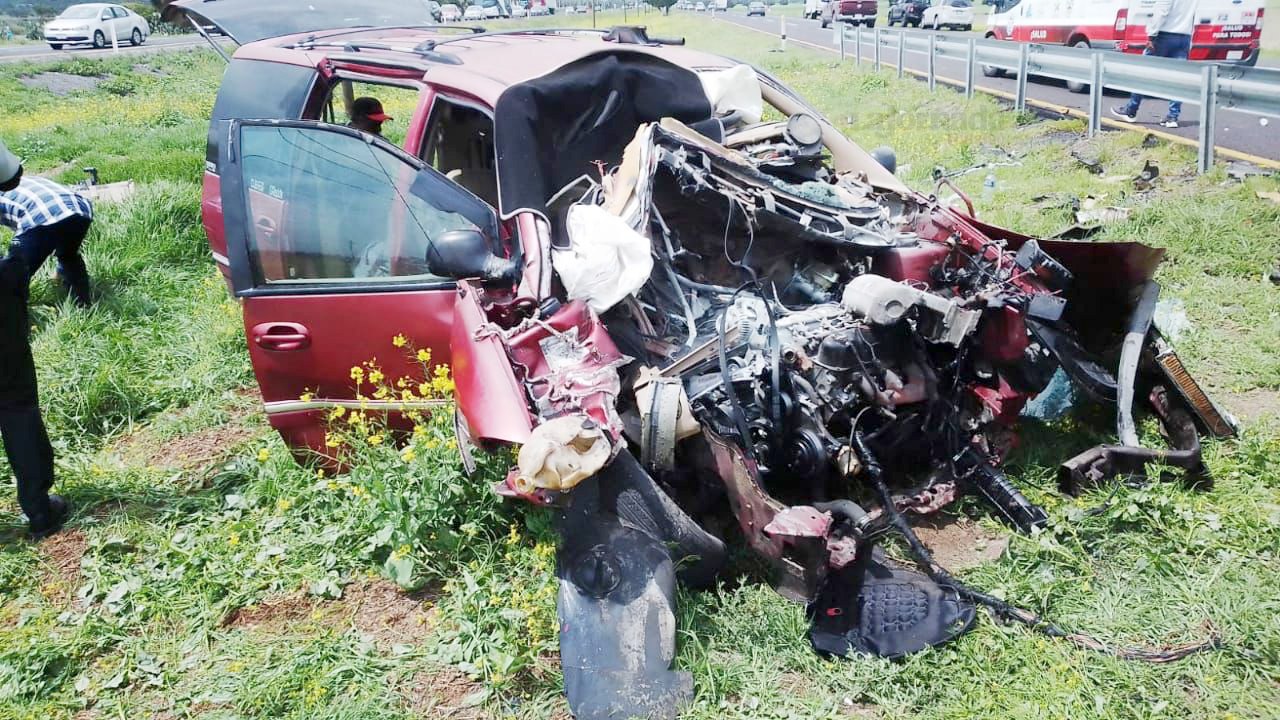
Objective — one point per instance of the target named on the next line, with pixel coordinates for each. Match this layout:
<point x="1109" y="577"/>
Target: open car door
<point x="246" y="21"/>
<point x="328" y="231"/>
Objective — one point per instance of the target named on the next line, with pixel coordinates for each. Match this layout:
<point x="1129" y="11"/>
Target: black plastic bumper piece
<point x="621" y="536"/>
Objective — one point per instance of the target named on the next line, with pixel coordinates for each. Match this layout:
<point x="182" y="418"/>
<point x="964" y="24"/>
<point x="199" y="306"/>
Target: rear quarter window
<point x="258" y="90"/>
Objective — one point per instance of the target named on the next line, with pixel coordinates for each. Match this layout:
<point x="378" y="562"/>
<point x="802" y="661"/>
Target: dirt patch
<point x="377" y="609"/>
<point x="193" y="451"/>
<point x="62" y="553"/>
<point x="60" y="84"/>
<point x="381" y="611"/>
<point x="274" y="613"/>
<point x="959" y="543"/>
<point x="1251" y="405"/>
<point x="443" y="693"/>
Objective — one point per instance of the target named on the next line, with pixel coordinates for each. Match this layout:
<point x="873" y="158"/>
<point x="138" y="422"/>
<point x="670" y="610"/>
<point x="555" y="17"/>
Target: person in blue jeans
<point x="47" y="219"/>
<point x="1168" y="35"/>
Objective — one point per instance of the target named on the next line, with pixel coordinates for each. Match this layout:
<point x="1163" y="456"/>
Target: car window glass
<point x="119" y="12"/>
<point x="331" y="206"/>
<point x="106" y="14"/>
<point x="397" y="102"/>
<point x="459" y="144"/>
<point x="255" y="89"/>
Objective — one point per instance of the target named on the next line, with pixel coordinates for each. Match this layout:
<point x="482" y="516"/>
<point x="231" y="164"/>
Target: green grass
<point x="138" y="610"/>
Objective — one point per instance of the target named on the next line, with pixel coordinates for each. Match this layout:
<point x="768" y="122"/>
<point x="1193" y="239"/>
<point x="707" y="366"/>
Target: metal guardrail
<point x="1235" y="87"/>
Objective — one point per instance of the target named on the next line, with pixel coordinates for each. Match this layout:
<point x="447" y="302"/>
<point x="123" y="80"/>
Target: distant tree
<point x="663" y="5"/>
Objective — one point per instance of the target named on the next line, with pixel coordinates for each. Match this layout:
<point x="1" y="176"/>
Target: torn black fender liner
<point x="616" y="602"/>
<point x="875" y="608"/>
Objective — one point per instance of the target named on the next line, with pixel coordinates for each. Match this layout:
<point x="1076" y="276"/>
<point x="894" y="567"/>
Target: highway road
<point x="17" y="53"/>
<point x="1236" y="131"/>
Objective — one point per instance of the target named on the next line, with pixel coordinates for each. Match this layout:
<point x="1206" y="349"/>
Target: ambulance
<point x="1226" y="30"/>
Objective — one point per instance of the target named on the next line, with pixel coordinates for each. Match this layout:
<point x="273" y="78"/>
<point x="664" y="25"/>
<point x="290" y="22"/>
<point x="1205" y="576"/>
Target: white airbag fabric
<point x="606" y="260"/>
<point x="737" y="88"/>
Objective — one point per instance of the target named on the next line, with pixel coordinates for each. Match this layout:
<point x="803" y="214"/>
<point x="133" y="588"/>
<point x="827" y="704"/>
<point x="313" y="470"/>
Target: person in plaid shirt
<point x="26" y="443"/>
<point x="47" y="219"/>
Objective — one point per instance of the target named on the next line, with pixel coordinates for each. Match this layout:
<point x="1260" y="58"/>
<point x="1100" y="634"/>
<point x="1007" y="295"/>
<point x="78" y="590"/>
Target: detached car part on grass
<point x="704" y="328"/>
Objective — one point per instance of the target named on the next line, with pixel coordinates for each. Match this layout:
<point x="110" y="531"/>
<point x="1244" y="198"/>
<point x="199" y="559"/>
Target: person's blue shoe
<point x="1122" y="112"/>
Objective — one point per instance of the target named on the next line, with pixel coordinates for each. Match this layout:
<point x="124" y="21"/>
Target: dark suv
<point x="907" y="12"/>
<point x="703" y="314"/>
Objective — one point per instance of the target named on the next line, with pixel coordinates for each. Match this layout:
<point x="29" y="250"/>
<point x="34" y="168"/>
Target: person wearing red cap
<point x="367" y="115"/>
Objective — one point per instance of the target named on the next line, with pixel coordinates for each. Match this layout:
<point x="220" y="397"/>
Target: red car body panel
<point x="341" y="331"/>
<point x="488" y="394"/>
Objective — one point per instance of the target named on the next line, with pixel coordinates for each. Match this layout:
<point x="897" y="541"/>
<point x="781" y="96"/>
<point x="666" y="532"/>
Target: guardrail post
<point x="1095" y="94"/>
<point x="842" y="32"/>
<point x="877" y="53"/>
<point x="857" y="46"/>
<point x="902" y="50"/>
<point x="1020" y="101"/>
<point x="971" y="62"/>
<point x="1208" y="108"/>
<point x="933" y="48"/>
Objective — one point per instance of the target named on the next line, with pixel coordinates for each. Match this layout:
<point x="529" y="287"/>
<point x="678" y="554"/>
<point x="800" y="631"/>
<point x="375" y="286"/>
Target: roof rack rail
<point x="353" y="48"/>
<point x="311" y="39"/>
<point x="432" y="44"/>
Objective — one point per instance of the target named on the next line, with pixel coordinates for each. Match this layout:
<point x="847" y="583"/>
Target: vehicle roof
<point x="487" y="64"/>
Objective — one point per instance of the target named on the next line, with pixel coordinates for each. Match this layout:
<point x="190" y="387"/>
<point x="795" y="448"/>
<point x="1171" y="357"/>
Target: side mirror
<point x="465" y="254"/>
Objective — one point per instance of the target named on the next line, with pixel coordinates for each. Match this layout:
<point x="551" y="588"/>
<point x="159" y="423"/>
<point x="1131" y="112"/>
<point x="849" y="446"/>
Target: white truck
<point x="813" y="9"/>
<point x="1225" y="31"/>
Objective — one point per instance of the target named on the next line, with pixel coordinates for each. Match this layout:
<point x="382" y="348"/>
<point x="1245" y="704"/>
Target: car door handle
<point x="281" y="336"/>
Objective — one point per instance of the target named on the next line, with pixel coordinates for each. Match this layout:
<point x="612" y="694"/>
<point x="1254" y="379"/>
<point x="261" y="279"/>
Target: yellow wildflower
<point x="424" y="356"/>
<point x="375" y="376"/>
<point x="337" y="412"/>
<point x="283" y="505"/>
<point x="442" y="370"/>
<point x="375" y="439"/>
<point x="264" y="455"/>
<point x="424" y="390"/>
<point x="331" y="440"/>
<point x="408" y="455"/>
<point x="406" y="395"/>
<point x="399" y="341"/>
<point x="419" y="431"/>
<point x="381" y="393"/>
<point x="233" y="539"/>
<point x="357" y="374"/>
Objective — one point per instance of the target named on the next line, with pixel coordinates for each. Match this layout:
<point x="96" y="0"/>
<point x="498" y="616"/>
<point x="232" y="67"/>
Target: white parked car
<point x="96" y="24"/>
<point x="700" y="7"/>
<point x="538" y="10"/>
<point x="954" y="14"/>
<point x="474" y="12"/>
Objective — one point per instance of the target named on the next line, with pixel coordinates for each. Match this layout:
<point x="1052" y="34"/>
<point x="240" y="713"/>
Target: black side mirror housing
<point x="465" y="254"/>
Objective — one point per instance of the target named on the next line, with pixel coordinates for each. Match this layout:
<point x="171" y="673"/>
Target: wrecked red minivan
<point x="686" y="297"/>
